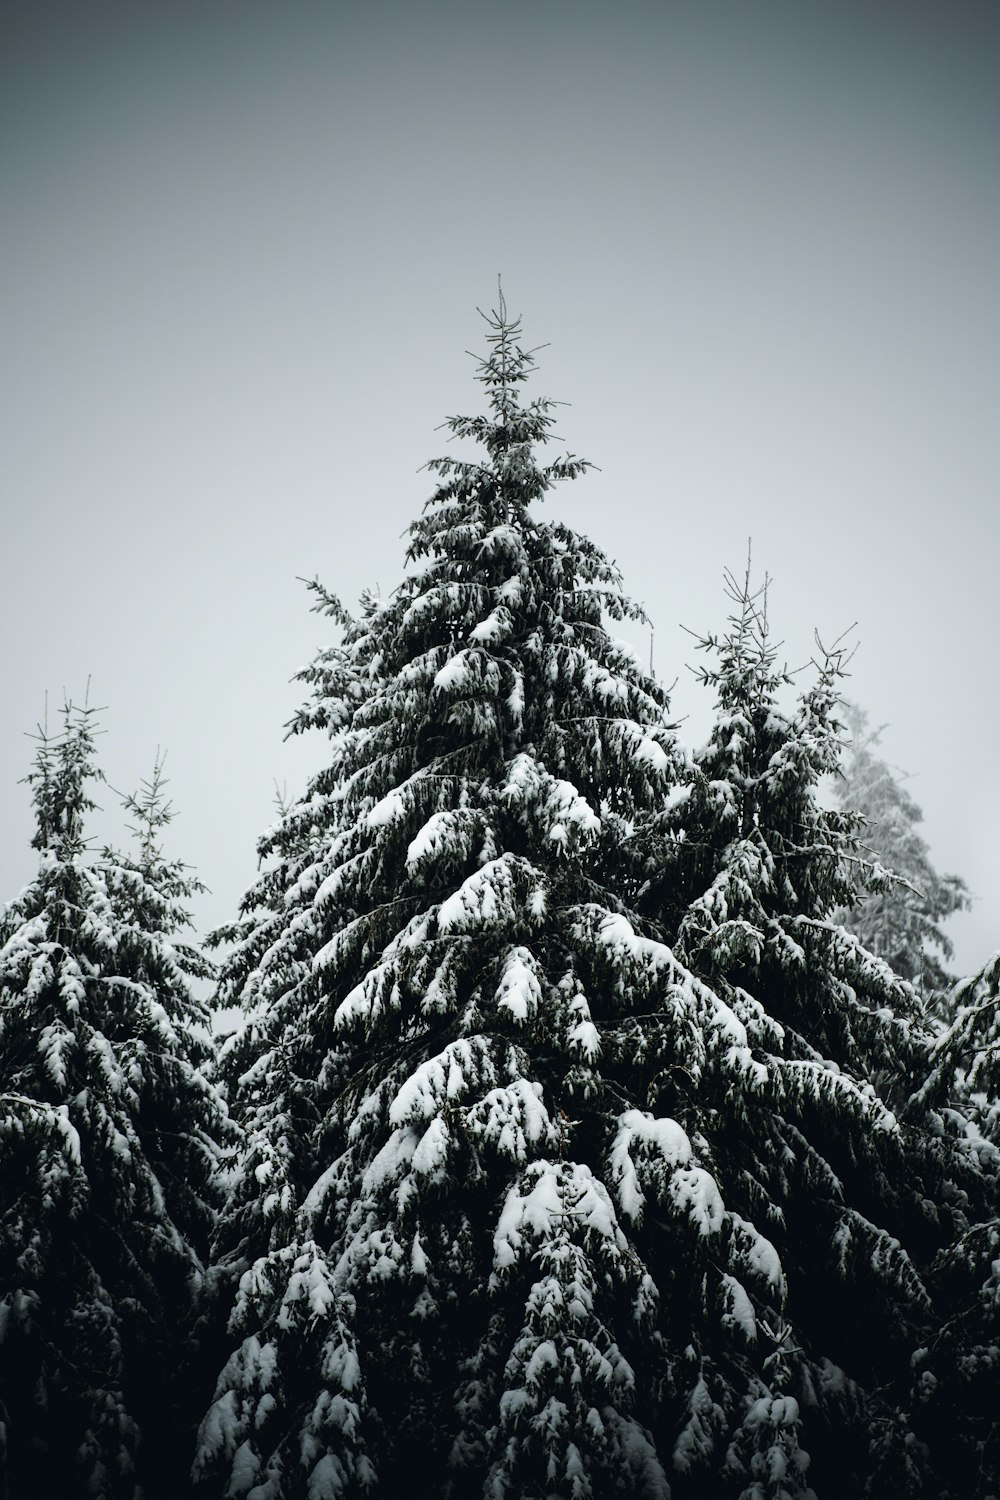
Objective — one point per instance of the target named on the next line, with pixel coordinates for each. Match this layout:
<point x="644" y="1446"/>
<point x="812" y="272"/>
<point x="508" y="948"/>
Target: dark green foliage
<point x="960" y="1367"/>
<point x="746" y="868"/>
<point x="110" y="1138"/>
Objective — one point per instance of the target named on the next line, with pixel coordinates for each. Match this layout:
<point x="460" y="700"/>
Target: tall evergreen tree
<point x="902" y="921"/>
<point x="417" y="965"/>
<point x="110" y="1135"/>
<point x="531" y="1199"/>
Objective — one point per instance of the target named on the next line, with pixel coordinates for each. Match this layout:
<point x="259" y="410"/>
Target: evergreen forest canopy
<point x="600" y="1120"/>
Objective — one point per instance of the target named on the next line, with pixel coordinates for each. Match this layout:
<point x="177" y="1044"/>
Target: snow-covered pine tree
<point x="902" y="920"/>
<point x="181" y="1121"/>
<point x="746" y="869"/>
<point x="450" y="1297"/>
<point x="110" y="1138"/>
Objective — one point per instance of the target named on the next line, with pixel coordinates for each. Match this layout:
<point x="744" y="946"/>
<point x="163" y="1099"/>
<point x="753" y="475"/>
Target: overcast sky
<point x="242" y="247"/>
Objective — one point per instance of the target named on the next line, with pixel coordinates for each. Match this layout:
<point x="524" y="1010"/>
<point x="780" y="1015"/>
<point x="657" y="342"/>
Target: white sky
<point x="242" y="248"/>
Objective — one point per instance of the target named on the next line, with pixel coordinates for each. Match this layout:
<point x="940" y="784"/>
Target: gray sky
<point x="242" y="246"/>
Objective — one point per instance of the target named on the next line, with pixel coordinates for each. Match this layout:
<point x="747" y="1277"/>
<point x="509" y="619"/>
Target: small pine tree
<point x="149" y="895"/>
<point x="110" y="1137"/>
<point x="814" y="1143"/>
<point x="901" y="921"/>
<point x="181" y="1120"/>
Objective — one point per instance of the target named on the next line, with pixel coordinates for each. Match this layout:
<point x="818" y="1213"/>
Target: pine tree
<point x="182" y="1121"/>
<point x="447" y="1289"/>
<point x="820" y="1146"/>
<point x="110" y="1134"/>
<point x="902" y="920"/>
<point x="544" y="1181"/>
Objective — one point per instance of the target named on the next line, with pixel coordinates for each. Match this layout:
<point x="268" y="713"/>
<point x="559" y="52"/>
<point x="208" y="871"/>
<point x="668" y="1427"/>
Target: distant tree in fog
<point x="903" y="921"/>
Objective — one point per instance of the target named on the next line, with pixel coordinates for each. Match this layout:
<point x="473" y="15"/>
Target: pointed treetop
<point x="470" y="514"/>
<point x="507" y="364"/>
<point x="152" y="811"/>
<point x="64" y="764"/>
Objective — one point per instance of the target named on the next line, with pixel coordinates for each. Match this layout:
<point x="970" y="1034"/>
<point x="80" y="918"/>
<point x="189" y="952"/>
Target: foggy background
<point x="242" y="247"/>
